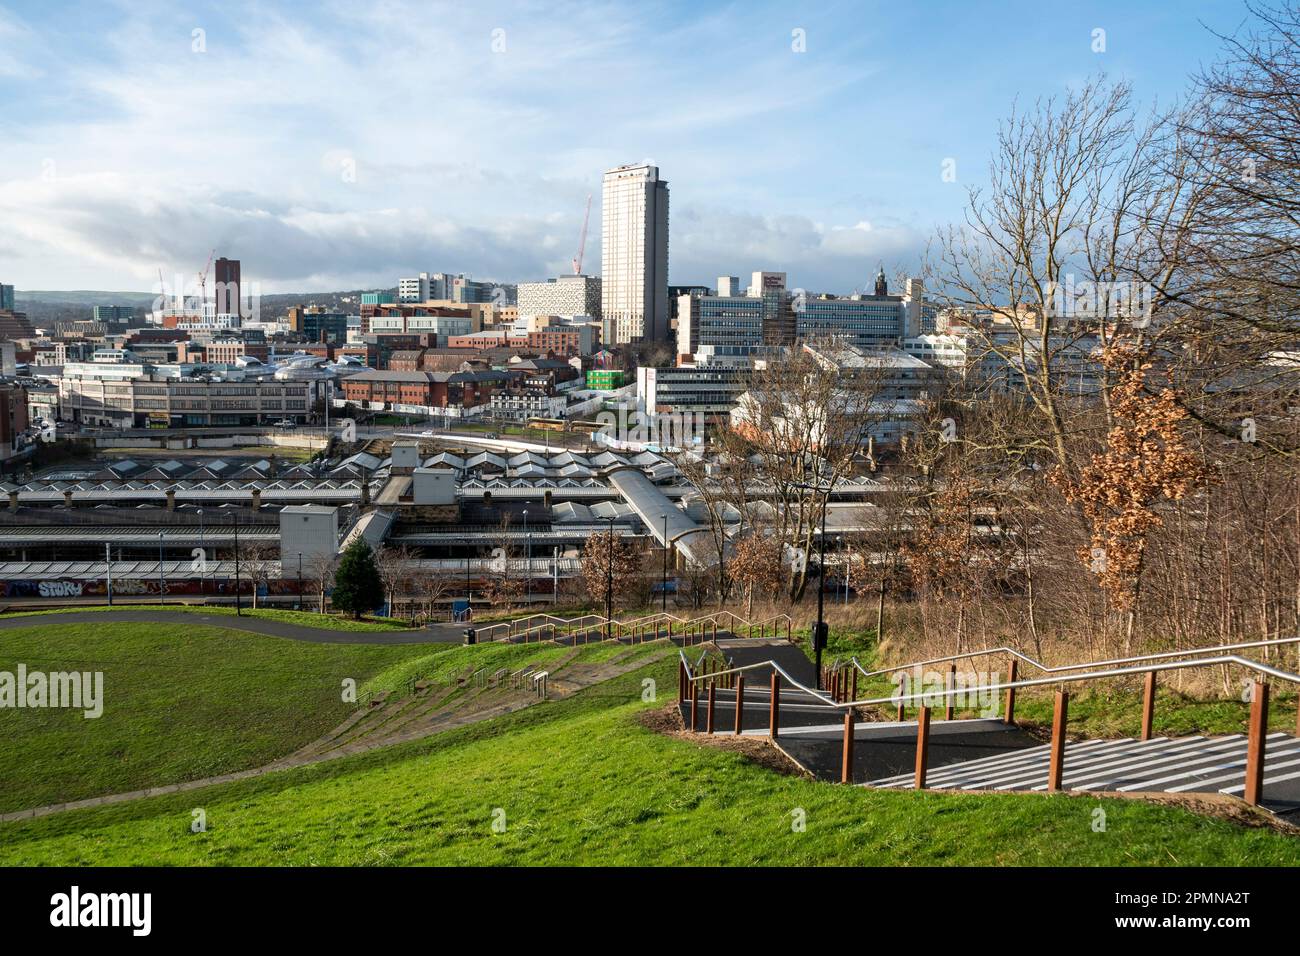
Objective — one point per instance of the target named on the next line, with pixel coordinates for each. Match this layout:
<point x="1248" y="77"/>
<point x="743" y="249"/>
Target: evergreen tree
<point x="357" y="584"/>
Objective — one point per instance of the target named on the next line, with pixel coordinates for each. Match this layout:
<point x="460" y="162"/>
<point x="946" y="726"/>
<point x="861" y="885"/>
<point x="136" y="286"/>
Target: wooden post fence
<point x="1255" y="744"/>
<point x="774" y="707"/>
<point x="846" y="757"/>
<point x="740" y="703"/>
<point x="922" y="746"/>
<point x="1056" y="765"/>
<point x="1148" y="704"/>
<point x="1010" y="716"/>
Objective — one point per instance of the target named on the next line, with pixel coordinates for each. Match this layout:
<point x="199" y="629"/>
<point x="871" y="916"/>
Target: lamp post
<point x="162" y="583"/>
<point x="528" y="564"/>
<point x="108" y="571"/>
<point x="663" y="588"/>
<point x="300" y="580"/>
<point x="239" y="604"/>
<point x="609" y="579"/>
<point x="203" y="550"/>
<point x="818" y="635"/>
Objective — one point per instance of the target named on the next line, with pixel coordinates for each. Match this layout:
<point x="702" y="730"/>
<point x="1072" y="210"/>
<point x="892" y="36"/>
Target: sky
<point x="338" y="146"/>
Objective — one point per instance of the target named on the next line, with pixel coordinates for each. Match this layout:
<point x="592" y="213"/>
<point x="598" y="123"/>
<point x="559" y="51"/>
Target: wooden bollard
<point x="740" y="703"/>
<point x="1056" y="765"/>
<point x="846" y="757"/>
<point x="774" y="707"/>
<point x="1255" y="744"/>
<point x="902" y="715"/>
<point x="708" y="716"/>
<point x="950" y="708"/>
<point x="922" y="746"/>
<point x="1009" y="717"/>
<point x="695" y="698"/>
<point x="1148" y="704"/>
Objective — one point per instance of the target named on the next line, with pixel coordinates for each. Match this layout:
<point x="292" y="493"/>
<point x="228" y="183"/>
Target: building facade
<point x="566" y="295"/>
<point x="634" y="255"/>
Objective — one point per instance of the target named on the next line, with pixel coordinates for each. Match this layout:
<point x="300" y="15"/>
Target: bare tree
<point x="320" y="573"/>
<point x="807" y="421"/>
<point x="257" y="559"/>
<point x="395" y="565"/>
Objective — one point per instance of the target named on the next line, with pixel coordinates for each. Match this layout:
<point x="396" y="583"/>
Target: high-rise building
<point x="6" y="298"/>
<point x="567" y="295"/>
<point x="634" y="255"/>
<point x="114" y="314"/>
<point x="227" y="291"/>
<point x="414" y="289"/>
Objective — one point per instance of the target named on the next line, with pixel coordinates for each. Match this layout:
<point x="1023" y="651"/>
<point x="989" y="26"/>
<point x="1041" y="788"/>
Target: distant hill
<point x="70" y="304"/>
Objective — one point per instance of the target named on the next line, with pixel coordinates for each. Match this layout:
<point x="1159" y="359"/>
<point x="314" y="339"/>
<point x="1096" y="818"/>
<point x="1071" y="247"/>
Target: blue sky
<point x="334" y="146"/>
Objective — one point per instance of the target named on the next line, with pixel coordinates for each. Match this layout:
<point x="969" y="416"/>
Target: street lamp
<point x="239" y="604"/>
<point x="609" y="579"/>
<point x="528" y="563"/>
<point x="203" y="550"/>
<point x="162" y="584"/>
<point x="300" y="580"/>
<point x="819" y="632"/>
<point x="663" y="588"/>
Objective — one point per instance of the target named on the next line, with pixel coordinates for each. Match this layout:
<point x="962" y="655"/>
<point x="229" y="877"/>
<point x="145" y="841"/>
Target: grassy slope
<point x="580" y="782"/>
<point x="329" y="622"/>
<point x="180" y="702"/>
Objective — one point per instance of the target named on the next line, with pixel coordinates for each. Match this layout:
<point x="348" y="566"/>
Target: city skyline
<point x="805" y="142"/>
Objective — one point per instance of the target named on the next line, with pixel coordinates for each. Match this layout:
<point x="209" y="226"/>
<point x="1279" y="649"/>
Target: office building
<point x="6" y="298"/>
<point x="566" y="295"/>
<point x="227" y="291"/>
<point x="634" y="255"/>
<point x="114" y="314"/>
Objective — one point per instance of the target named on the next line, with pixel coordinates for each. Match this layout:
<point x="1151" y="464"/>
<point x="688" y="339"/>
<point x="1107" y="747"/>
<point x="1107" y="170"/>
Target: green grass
<point x="180" y="703"/>
<point x="580" y="782"/>
<point x="331" y="622"/>
<point x="1112" y="712"/>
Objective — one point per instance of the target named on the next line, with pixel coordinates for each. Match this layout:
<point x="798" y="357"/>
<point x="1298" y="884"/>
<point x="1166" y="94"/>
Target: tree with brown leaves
<point x="1146" y="461"/>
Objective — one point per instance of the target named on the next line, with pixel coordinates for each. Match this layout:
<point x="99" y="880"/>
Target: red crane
<point x="582" y="239"/>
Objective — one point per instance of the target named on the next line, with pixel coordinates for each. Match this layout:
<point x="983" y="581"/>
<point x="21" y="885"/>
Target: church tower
<point x="882" y="286"/>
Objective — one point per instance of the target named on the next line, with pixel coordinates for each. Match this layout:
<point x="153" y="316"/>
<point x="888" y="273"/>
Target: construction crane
<point x="203" y="279"/>
<point x="582" y="239"/>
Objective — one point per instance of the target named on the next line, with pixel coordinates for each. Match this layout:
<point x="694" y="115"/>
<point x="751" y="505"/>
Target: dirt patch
<point x="1218" y="805"/>
<point x="759" y="750"/>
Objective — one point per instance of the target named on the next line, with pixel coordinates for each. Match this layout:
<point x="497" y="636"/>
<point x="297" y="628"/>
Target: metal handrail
<point x="1031" y="682"/>
<point x="1162" y="655"/>
<point x="597" y="621"/>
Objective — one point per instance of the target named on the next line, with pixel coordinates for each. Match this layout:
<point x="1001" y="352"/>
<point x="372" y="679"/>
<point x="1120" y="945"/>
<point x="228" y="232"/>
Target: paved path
<point x="440" y="633"/>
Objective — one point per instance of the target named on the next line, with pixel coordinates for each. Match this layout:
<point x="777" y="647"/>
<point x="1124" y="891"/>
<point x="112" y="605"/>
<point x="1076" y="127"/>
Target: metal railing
<point x="1017" y="655"/>
<point x="690" y="680"/>
<point x="692" y="630"/>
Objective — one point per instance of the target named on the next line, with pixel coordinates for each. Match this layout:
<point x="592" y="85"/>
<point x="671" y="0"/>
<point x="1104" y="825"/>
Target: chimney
<point x="171" y="499"/>
<point x="257" y="499"/>
<point x="67" y="498"/>
<point x="13" y="500"/>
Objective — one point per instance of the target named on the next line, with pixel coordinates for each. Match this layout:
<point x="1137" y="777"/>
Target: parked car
<point x="286" y="423"/>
